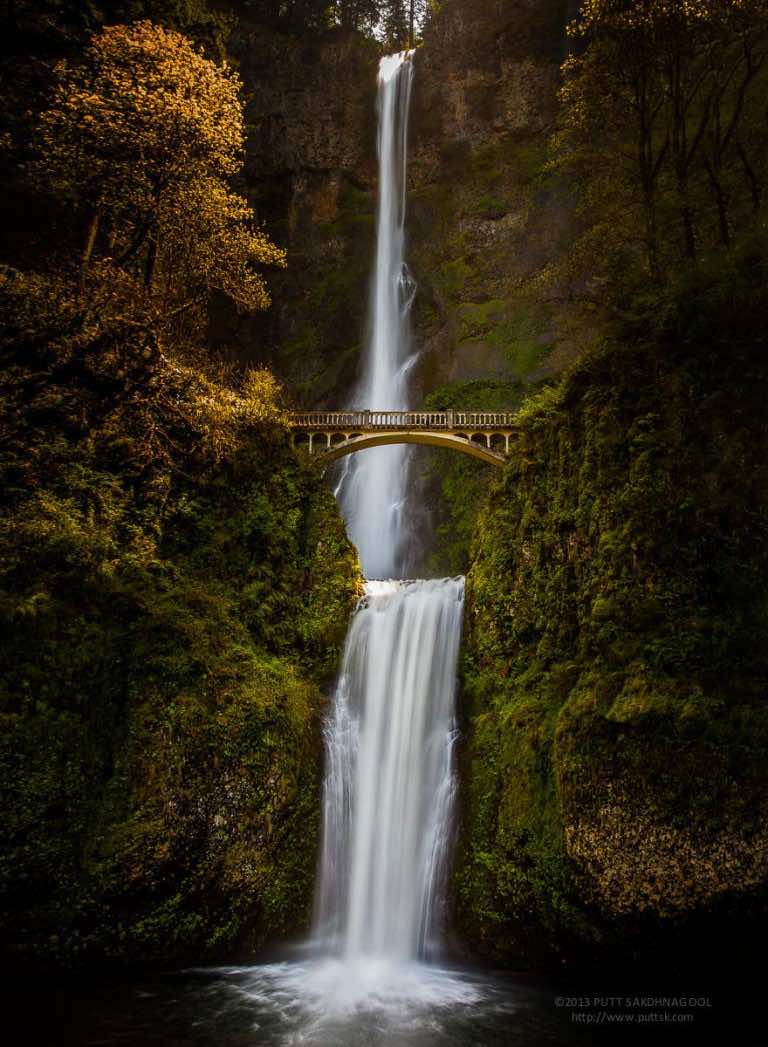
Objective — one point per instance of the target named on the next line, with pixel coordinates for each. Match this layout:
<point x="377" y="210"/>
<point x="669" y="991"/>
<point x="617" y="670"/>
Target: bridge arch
<point x="378" y="439"/>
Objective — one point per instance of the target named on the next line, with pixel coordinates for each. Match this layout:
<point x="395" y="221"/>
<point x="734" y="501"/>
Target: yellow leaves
<point x="163" y="405"/>
<point x="222" y="413"/>
<point x="148" y="130"/>
<point x="150" y="103"/>
<point x="207" y="235"/>
<point x="260" y="398"/>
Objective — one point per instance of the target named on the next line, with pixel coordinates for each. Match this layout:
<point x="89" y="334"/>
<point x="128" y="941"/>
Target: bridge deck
<point x="372" y="421"/>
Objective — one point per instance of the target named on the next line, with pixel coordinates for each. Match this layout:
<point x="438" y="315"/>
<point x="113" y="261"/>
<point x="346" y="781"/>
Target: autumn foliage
<point x="144" y="134"/>
<point x="105" y="345"/>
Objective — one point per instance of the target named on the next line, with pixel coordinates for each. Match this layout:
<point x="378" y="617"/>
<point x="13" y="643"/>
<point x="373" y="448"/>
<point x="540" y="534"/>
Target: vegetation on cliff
<point x="484" y="219"/>
<point x="524" y="252"/>
<point x="615" y="670"/>
<point x="173" y="586"/>
<point x="174" y="583"/>
<point x="458" y="485"/>
<point x="663" y="132"/>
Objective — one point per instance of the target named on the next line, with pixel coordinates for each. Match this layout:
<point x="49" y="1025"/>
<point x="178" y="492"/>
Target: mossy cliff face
<point x="615" y="674"/>
<point x="482" y="223"/>
<point x="160" y="677"/>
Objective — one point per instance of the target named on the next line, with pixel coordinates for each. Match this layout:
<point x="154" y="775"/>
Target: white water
<point x="372" y="490"/>
<point x="388" y="799"/>
<point x="390" y="782"/>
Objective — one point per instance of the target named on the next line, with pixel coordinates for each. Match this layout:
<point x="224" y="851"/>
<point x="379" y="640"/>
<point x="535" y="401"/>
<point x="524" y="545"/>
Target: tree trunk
<point x="90" y="243"/>
<point x="151" y="261"/>
<point x="722" y="204"/>
<point x="648" y="165"/>
<point x="652" y="240"/>
<point x="689" y="231"/>
<point x="749" y="172"/>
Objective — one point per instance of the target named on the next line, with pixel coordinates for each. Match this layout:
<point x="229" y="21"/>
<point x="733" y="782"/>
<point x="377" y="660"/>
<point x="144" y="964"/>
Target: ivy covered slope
<point x="174" y="588"/>
<point x="616" y="671"/>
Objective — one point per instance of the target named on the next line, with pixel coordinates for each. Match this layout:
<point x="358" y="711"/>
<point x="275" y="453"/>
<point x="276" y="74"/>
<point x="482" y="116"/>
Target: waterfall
<point x="390" y="781"/>
<point x="372" y="490"/>
<point x="371" y="974"/>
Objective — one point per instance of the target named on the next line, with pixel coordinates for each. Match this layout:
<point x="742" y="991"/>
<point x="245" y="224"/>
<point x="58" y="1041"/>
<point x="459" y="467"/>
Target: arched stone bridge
<point x="329" y="435"/>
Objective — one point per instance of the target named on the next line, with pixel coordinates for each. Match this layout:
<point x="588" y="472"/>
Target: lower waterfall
<point x="370" y="974"/>
<point x="390" y="783"/>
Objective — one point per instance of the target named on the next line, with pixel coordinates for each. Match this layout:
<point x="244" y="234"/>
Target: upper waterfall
<point x="372" y="490"/>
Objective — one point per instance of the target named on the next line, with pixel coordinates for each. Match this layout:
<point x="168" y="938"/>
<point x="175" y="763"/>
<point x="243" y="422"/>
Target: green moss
<point x="454" y="275"/>
<point x="159" y="688"/>
<point x="501" y="173"/>
<point x="518" y="329"/>
<point x="480" y="318"/>
<point x="616" y="646"/>
<point x="459" y="485"/>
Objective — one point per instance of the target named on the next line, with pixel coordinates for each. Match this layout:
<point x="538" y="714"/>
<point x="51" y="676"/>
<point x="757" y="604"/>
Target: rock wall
<point x="482" y="223"/>
<point x="485" y="223"/>
<point x="311" y="172"/>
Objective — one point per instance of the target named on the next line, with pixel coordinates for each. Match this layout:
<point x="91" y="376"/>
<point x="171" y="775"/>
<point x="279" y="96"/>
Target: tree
<point x="401" y="21"/>
<point x="397" y="23"/>
<point x="144" y="135"/>
<point x="302" y="15"/>
<point x="655" y="110"/>
<point x="356" y="15"/>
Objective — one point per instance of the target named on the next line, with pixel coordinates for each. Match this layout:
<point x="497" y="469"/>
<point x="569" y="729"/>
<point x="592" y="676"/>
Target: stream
<point x="301" y="1003"/>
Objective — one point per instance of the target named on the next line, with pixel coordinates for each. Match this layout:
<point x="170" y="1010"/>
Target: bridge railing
<point x="368" y="420"/>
